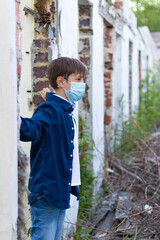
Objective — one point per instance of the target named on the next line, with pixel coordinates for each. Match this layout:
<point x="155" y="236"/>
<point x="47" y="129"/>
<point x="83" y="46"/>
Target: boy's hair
<point x="65" y="66"/>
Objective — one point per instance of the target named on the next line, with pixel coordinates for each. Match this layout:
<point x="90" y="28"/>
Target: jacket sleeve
<point x="32" y="128"/>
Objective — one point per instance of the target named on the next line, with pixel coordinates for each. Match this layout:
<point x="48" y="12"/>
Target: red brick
<point x="108" y="75"/>
<point x="108" y="85"/>
<point x="107" y="119"/>
<point x="18" y="17"/>
<point x="40" y="85"/>
<point x="19" y="67"/>
<point x="85" y="60"/>
<point x="108" y="93"/>
<point x="37" y="99"/>
<point x="108" y="31"/>
<point x="85" y="11"/>
<point x="109" y="39"/>
<point x="40" y="72"/>
<point x="118" y="3"/>
<point x="41" y="57"/>
<point x="18" y="38"/>
<point x="110" y="55"/>
<point x="107" y="81"/>
<point x="108" y="101"/>
<point x="42" y="43"/>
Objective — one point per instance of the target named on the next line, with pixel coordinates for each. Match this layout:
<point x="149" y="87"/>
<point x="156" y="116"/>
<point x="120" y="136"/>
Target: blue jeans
<point x="47" y="221"/>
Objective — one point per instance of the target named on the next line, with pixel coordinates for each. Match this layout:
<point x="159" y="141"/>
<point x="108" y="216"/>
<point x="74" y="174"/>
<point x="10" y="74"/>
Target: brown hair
<point x="65" y="66"/>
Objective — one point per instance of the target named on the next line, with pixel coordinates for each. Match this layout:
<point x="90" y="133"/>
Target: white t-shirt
<point x="76" y="180"/>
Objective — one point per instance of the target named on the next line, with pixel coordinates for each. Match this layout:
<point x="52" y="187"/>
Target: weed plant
<point x="86" y="155"/>
<point x="145" y="119"/>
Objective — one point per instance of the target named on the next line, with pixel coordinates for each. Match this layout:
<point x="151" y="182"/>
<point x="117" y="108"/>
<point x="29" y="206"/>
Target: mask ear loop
<point x="67" y="82"/>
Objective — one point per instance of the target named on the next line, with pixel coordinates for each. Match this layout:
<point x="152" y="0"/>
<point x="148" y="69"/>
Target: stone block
<point x="41" y="57"/>
<point x="85" y="51"/>
<point x="109" y="65"/>
<point x="85" y="60"/>
<point x="52" y="7"/>
<point x="85" y="41"/>
<point x="84" y="22"/>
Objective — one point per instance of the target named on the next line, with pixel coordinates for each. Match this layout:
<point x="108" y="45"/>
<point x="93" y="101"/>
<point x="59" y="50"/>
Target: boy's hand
<point x="43" y="93"/>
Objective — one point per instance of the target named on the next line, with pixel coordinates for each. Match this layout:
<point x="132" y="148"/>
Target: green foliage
<point x="107" y="187"/>
<point x="110" y="2"/>
<point x="86" y="187"/>
<point x="29" y="232"/>
<point x="128" y="238"/>
<point x="82" y="233"/>
<point x="147" y="13"/>
<point x="131" y="134"/>
<point x="148" y="116"/>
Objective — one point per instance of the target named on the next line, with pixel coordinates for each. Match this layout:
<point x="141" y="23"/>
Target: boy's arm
<point x="31" y="128"/>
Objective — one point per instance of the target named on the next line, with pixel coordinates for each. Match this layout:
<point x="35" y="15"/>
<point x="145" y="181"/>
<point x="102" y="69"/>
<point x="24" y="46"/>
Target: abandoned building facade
<point x="106" y="39"/>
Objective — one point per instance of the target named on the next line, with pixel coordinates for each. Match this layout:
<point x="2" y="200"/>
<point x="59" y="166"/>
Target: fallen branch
<point x="126" y="171"/>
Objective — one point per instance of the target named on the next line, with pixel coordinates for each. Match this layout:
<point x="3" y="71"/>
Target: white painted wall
<point x="26" y="110"/>
<point x="8" y="122"/>
<point x="143" y="42"/>
<point x="117" y="78"/>
<point x="97" y="102"/>
<point x="68" y="47"/>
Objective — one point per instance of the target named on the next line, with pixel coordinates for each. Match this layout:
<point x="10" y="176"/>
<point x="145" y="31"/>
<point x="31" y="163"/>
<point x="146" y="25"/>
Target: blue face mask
<point x="76" y="92"/>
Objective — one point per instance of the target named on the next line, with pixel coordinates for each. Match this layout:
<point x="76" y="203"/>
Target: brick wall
<point x="44" y="38"/>
<point x="130" y="76"/>
<point x="18" y="41"/>
<point x="140" y="75"/>
<point x="22" y="160"/>
<point x="118" y="4"/>
<point x="39" y="69"/>
<point x="108" y="70"/>
<point x="85" y="38"/>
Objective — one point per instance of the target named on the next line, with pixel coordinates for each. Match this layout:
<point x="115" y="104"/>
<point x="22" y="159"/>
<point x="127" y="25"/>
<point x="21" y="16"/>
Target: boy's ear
<point x="60" y="81"/>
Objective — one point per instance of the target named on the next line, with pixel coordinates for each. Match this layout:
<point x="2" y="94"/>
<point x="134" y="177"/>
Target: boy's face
<point x="66" y="84"/>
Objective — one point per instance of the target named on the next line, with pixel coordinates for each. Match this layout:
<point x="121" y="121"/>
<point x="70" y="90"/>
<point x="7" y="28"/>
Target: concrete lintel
<point x="105" y="14"/>
<point x="85" y="2"/>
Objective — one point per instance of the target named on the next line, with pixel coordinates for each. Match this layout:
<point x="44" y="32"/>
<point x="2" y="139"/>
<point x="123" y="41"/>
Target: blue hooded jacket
<point x="51" y="131"/>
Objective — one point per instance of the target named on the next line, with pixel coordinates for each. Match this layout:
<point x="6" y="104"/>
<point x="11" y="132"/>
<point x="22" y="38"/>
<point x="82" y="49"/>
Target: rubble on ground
<point x="131" y="210"/>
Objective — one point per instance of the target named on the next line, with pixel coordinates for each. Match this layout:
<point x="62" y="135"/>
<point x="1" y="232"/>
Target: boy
<point x="54" y="150"/>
